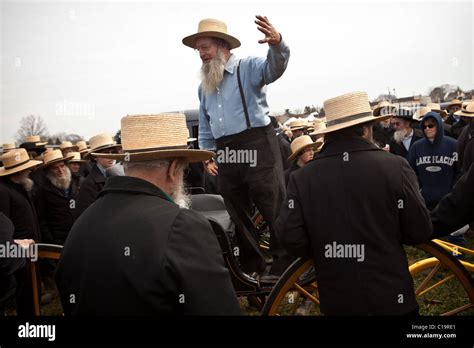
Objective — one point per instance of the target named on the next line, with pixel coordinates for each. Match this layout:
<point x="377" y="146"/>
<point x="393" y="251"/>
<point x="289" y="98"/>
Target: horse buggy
<point x="442" y="270"/>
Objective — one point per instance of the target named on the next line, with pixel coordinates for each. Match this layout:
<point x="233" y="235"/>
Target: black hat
<point x="404" y="113"/>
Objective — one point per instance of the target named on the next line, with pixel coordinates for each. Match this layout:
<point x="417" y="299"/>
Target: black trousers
<point x="260" y="182"/>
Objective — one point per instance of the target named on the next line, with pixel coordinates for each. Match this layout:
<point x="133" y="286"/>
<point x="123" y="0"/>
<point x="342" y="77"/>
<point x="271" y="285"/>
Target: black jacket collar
<point x="132" y="185"/>
<point x="349" y="144"/>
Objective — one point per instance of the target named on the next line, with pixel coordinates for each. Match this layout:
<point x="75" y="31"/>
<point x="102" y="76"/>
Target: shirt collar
<point x="102" y="169"/>
<point x="409" y="135"/>
<point x="231" y="64"/>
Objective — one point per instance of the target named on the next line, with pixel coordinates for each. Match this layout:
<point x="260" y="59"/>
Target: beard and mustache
<point x="399" y="135"/>
<point x="62" y="182"/>
<point x="212" y="73"/>
<point x="180" y="196"/>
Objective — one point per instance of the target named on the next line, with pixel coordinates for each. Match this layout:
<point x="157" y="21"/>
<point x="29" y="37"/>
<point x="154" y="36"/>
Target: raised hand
<point x="272" y="36"/>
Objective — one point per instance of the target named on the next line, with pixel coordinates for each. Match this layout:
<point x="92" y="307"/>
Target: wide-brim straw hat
<point x="8" y="147"/>
<point x="150" y="137"/>
<point x="467" y="110"/>
<point x="211" y="28"/>
<point x="454" y="102"/>
<point x="35" y="139"/>
<point x="101" y="142"/>
<point x="385" y="108"/>
<point x="437" y="108"/>
<point x="54" y="156"/>
<point x="16" y="161"/>
<point x="298" y="125"/>
<point x="301" y="143"/>
<point x="317" y="125"/>
<point x="68" y="145"/>
<point x="420" y="113"/>
<point x="76" y="158"/>
<point x="82" y="146"/>
<point x="348" y="110"/>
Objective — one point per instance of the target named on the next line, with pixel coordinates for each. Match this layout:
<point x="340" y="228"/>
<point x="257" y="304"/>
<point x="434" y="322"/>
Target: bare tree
<point x="74" y="138"/>
<point x="31" y="125"/>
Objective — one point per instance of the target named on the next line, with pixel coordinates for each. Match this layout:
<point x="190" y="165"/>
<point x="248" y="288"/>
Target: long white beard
<point x="399" y="135"/>
<point x="27" y="184"/>
<point x="212" y="73"/>
<point x="63" y="182"/>
<point x="180" y="196"/>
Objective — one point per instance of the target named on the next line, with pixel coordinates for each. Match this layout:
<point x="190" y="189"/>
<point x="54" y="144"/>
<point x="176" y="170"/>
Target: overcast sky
<point x="84" y="65"/>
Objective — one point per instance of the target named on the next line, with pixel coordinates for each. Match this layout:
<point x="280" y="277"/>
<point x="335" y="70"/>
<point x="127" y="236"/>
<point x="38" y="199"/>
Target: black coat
<point x="56" y="211"/>
<point x="457" y="128"/>
<point x="285" y="149"/>
<point x="90" y="188"/>
<point x="17" y="205"/>
<point x="353" y="193"/>
<point x="466" y="147"/>
<point x="456" y="209"/>
<point x="8" y="266"/>
<point x="290" y="170"/>
<point x="399" y="149"/>
<point x="134" y="252"/>
<point x="382" y="135"/>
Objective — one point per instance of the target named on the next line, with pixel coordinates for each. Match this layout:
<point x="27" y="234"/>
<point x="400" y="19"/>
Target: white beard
<point x="212" y="73"/>
<point x="62" y="182"/>
<point x="180" y="196"/>
<point x="399" y="135"/>
<point x="27" y="184"/>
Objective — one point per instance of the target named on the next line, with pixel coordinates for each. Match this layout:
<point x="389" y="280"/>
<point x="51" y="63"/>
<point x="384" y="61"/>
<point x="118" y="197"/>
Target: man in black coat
<point x="56" y="199"/>
<point x="466" y="139"/>
<point x="95" y="181"/>
<point x="456" y="209"/>
<point x="17" y="205"/>
<point x="405" y="134"/>
<point x="135" y="251"/>
<point x="350" y="210"/>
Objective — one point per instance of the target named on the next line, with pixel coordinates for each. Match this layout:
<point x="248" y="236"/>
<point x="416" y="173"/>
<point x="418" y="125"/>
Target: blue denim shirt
<point x="221" y="113"/>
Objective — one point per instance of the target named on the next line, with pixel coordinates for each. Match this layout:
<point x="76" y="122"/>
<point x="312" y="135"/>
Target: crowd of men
<point x="378" y="177"/>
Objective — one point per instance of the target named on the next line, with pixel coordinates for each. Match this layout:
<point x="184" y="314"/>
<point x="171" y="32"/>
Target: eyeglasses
<point x="428" y="126"/>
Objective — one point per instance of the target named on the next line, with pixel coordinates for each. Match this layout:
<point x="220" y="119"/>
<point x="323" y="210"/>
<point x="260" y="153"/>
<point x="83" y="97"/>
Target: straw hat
<point x="384" y="108"/>
<point x="317" y="125"/>
<point x="16" y="161"/>
<point x="35" y="139"/>
<point x="348" y="110"/>
<point x="211" y="28"/>
<point x="420" y="113"/>
<point x="454" y="102"/>
<point x="68" y="145"/>
<point x="150" y="137"/>
<point x="82" y="146"/>
<point x="54" y="156"/>
<point x="437" y="108"/>
<point x="298" y="124"/>
<point x="301" y="143"/>
<point x="8" y="147"/>
<point x="467" y="110"/>
<point x="76" y="158"/>
<point x="100" y="142"/>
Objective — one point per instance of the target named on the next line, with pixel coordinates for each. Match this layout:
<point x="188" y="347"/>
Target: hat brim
<point x="62" y="159"/>
<point x="461" y="113"/>
<point x="30" y="164"/>
<point x="316" y="145"/>
<point x="190" y="154"/>
<point x="190" y="40"/>
<point x="75" y="148"/>
<point x="101" y="148"/>
<point x="77" y="161"/>
<point x="298" y="128"/>
<point x="440" y="112"/>
<point x="41" y="144"/>
<point x="351" y="123"/>
<point x="455" y="104"/>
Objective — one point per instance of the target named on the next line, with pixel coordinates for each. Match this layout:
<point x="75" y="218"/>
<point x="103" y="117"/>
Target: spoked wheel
<point x="295" y="293"/>
<point x="443" y="285"/>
